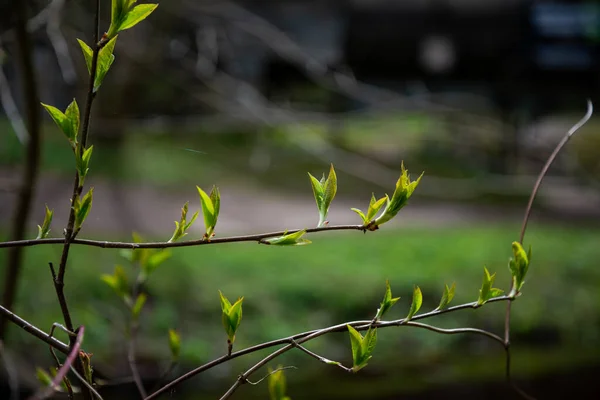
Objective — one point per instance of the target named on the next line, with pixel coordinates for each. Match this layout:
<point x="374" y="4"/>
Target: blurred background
<point x="252" y="95"/>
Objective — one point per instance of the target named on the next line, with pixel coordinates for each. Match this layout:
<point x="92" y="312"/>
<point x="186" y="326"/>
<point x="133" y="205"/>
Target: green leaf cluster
<point x="387" y="302"/>
<point x="291" y="239"/>
<point x="518" y="266"/>
<point x="362" y="347"/>
<point x="147" y="259"/>
<point x="182" y="226"/>
<point x="68" y="122"/>
<point x="119" y="282"/>
<point x="105" y="60"/>
<point x="417" y="301"/>
<point x="324" y="192"/>
<point x="82" y="162"/>
<point x="174" y="344"/>
<point x="487" y="290"/>
<point x="231" y="317"/>
<point x="277" y="384"/>
<point x="44" y="230"/>
<point x="124" y="15"/>
<point x="82" y="207"/>
<point x="404" y="190"/>
<point x="447" y="296"/>
<point x="210" y="209"/>
<point x="374" y="207"/>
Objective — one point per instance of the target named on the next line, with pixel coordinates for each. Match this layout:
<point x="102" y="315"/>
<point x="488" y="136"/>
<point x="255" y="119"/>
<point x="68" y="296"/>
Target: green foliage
<point x="82" y="208"/>
<point x="174" y="344"/>
<point x="374" y="207"/>
<point x="324" y="192"/>
<point x="417" y="301"/>
<point x="82" y="163"/>
<point x="210" y="209"/>
<point x="518" y="266"/>
<point x="231" y="317"/>
<point x="404" y="190"/>
<point x="362" y="347"/>
<point x="487" y="290"/>
<point x="86" y="361"/>
<point x="387" y="302"/>
<point x="148" y="259"/>
<point x="182" y="226"/>
<point x="124" y="15"/>
<point x="105" y="60"/>
<point x="138" y="305"/>
<point x="68" y="122"/>
<point x="291" y="239"/>
<point x="447" y="296"/>
<point x="44" y="230"/>
<point x="118" y="282"/>
<point x="277" y="385"/>
<point x="43" y="377"/>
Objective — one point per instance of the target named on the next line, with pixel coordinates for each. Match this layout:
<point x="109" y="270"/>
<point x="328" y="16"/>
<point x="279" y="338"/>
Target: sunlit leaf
<point x="417" y="301"/>
<point x="292" y="239"/>
<point x="447" y="296"/>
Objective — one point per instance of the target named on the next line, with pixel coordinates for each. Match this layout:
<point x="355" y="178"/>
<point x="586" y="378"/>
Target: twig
<point x="302" y="337"/>
<point x="269" y="374"/>
<point x="32" y="158"/>
<point x="62" y="372"/>
<point x="319" y="358"/>
<point x="536" y="187"/>
<point x="186" y="243"/>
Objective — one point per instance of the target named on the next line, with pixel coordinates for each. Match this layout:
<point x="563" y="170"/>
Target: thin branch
<point x="456" y="331"/>
<point x="62" y="372"/>
<point x="321" y="359"/>
<point x="302" y="337"/>
<point x="187" y="243"/>
<point x="271" y="373"/>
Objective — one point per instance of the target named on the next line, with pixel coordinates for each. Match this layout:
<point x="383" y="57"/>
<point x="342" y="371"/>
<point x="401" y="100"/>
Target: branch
<point x="309" y="335"/>
<point x="163" y="245"/>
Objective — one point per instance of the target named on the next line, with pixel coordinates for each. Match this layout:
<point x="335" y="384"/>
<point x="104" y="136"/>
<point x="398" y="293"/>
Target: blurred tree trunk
<point x="32" y="157"/>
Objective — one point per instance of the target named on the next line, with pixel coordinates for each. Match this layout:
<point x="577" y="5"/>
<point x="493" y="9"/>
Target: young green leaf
<point x="87" y="54"/>
<point x="182" y="226"/>
<point x="387" y="302"/>
<point x="43" y="377"/>
<point x="375" y="206"/>
<point x="231" y="316"/>
<point x="487" y="290"/>
<point x="291" y="239"/>
<point x="86" y="361"/>
<point x="72" y="114"/>
<point x="404" y="190"/>
<point x="124" y="15"/>
<point x="324" y="192"/>
<point x="519" y="265"/>
<point x="277" y="385"/>
<point x="361" y="215"/>
<point x="210" y="210"/>
<point x="105" y="60"/>
<point x="67" y="122"/>
<point x="138" y="305"/>
<point x="44" y="230"/>
<point x="417" y="301"/>
<point x="83" y="163"/>
<point x="362" y="347"/>
<point x="136" y="15"/>
<point x="154" y="260"/>
<point x="118" y="281"/>
<point x="82" y="208"/>
<point x="174" y="344"/>
<point x="447" y="296"/>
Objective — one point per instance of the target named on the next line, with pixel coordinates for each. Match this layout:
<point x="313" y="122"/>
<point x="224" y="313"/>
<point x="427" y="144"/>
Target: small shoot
<point x="277" y="384"/>
<point x="404" y="190"/>
<point x="374" y="207"/>
<point x="447" y="296"/>
<point x="174" y="344"/>
<point x="231" y="318"/>
<point x="518" y="266"/>
<point x="487" y="290"/>
<point x="86" y="361"/>
<point x="68" y="122"/>
<point x="105" y="60"/>
<point x="210" y="209"/>
<point x="119" y="283"/>
<point x="182" y="226"/>
<point x="387" y="302"/>
<point x="291" y="239"/>
<point x="417" y="301"/>
<point x="82" y="207"/>
<point x="362" y="347"/>
<point x="124" y="15"/>
<point x="82" y="162"/>
<point x="324" y="192"/>
<point x="44" y="230"/>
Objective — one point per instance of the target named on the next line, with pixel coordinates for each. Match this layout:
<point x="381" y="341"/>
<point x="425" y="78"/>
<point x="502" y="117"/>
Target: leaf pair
<point x="291" y="239"/>
<point x="105" y="60"/>
<point x="387" y="302"/>
<point x="518" y="266"/>
<point x="324" y="192"/>
<point x="447" y="296"/>
<point x="231" y="317"/>
<point x="82" y="162"/>
<point x="182" y="226"/>
<point x="374" y="207"/>
<point x="124" y="15"/>
<point x="210" y="209"/>
<point x="82" y="207"/>
<point x="362" y="347"/>
<point x="44" y="230"/>
<point x="277" y="384"/>
<point x="68" y="122"/>
<point x="487" y="290"/>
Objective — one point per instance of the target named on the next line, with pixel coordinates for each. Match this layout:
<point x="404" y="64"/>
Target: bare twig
<point x="38" y="333"/>
<point x="270" y="373"/>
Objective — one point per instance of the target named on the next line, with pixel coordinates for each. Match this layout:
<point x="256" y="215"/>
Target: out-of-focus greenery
<point x="338" y="278"/>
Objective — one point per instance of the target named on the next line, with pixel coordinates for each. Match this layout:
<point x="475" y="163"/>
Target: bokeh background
<point x="252" y="95"/>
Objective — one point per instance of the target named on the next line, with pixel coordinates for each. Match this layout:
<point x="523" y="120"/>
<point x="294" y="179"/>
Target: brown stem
<point x="32" y="159"/>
